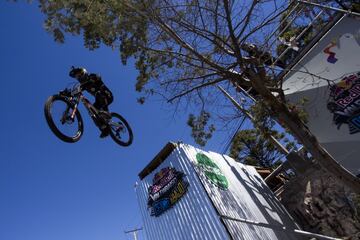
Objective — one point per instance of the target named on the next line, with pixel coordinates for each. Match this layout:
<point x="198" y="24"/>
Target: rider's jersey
<point x="93" y="83"/>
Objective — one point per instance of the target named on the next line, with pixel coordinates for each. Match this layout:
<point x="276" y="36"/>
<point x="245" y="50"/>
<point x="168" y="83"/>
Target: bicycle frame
<point x="76" y="96"/>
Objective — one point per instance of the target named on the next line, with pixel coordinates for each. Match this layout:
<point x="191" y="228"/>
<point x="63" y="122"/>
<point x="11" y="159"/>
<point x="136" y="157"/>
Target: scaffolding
<point x="297" y="30"/>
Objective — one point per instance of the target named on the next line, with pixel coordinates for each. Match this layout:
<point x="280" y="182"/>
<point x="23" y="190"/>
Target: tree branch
<point x="197" y="87"/>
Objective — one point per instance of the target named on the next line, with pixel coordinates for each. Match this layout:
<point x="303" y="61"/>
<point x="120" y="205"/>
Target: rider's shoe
<point x="104" y="132"/>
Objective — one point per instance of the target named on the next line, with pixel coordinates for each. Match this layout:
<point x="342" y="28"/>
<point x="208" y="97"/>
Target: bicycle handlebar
<point x="77" y="89"/>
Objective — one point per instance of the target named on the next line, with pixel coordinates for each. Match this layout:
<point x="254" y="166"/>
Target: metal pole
<point x="331" y="8"/>
<point x="134" y="232"/>
<point x="279" y="146"/>
<point x="280" y="228"/>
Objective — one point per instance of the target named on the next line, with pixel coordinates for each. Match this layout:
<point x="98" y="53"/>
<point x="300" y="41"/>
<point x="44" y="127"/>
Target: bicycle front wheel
<point x="120" y="130"/>
<point x="58" y="114"/>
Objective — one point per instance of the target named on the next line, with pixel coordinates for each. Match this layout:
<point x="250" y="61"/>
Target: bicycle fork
<point x="66" y="116"/>
<point x="74" y="112"/>
<point x="70" y="115"/>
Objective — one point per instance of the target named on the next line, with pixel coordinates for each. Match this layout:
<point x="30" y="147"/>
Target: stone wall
<point x="321" y="203"/>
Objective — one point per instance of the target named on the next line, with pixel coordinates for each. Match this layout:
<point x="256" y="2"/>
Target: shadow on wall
<point x="271" y="204"/>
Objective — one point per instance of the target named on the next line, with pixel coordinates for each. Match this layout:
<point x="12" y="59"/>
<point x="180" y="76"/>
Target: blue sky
<point x="54" y="190"/>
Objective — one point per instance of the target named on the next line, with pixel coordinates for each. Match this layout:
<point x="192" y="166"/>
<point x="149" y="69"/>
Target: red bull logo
<point x="344" y="102"/>
<point x="331" y="55"/>
<point x="345" y="84"/>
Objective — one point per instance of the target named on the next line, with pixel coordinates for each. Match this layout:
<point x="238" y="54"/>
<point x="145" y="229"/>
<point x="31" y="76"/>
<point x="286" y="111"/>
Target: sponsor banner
<point x="168" y="187"/>
<point x="328" y="77"/>
<point x="344" y="102"/>
<point x="211" y="171"/>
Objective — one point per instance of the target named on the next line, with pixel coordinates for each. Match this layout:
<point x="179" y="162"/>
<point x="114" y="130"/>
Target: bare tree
<point x="184" y="48"/>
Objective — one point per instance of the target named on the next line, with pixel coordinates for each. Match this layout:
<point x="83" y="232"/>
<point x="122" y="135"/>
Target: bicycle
<point x="62" y="112"/>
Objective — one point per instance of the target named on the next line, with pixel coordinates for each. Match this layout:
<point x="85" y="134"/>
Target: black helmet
<point x="78" y="73"/>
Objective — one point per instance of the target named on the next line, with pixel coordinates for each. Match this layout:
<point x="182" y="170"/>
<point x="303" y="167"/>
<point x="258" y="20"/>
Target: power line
<point x="226" y="148"/>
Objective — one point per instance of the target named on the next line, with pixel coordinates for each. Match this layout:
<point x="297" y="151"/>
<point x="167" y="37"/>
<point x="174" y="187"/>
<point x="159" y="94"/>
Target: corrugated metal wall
<point x="192" y="217"/>
<point x="195" y="216"/>
<point x="247" y="198"/>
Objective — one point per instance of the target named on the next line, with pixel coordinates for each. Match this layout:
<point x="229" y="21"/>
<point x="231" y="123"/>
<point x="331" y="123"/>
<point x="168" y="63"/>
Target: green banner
<point x="212" y="171"/>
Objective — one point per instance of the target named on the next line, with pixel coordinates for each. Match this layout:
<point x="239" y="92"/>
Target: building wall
<point x="241" y="195"/>
<point x="192" y="217"/>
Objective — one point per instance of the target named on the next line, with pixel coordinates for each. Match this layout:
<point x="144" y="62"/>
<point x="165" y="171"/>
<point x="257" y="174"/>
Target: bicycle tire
<point x="128" y="129"/>
<point x="50" y="121"/>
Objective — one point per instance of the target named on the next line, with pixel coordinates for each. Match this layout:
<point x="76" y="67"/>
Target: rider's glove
<point x="65" y="92"/>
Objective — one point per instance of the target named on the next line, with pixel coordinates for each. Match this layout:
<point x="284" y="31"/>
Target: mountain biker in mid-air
<point x="93" y="84"/>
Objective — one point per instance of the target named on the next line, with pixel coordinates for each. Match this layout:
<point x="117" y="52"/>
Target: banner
<point x="328" y="77"/>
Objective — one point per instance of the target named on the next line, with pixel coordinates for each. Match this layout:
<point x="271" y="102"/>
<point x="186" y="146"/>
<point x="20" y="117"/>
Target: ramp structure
<point x="320" y="62"/>
<point x="328" y="76"/>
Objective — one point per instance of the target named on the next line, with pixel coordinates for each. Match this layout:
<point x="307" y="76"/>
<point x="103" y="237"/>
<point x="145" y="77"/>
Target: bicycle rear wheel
<point x="58" y="112"/>
<point x="120" y="130"/>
